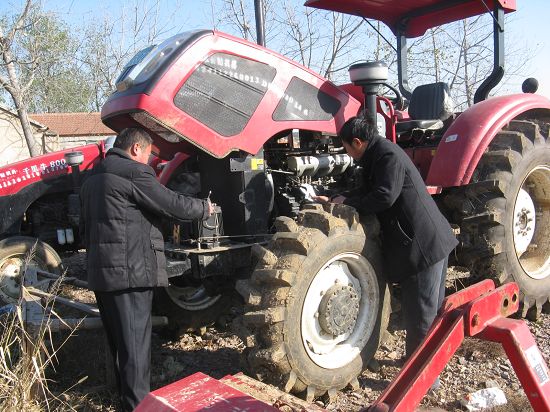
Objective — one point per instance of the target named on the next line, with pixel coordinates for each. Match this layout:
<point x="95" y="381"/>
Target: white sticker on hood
<point x="451" y="138"/>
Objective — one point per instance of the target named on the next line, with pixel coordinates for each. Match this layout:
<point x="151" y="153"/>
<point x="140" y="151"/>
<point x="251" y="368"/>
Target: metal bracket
<point x="477" y="311"/>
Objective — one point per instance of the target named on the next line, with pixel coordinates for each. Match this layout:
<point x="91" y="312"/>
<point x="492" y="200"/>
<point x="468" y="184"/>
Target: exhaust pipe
<point x="260" y="22"/>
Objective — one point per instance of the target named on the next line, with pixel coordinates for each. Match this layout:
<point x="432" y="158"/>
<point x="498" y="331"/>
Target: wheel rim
<point x="11" y="268"/>
<point x="191" y="298"/>
<point x="531" y="223"/>
<point x="347" y="273"/>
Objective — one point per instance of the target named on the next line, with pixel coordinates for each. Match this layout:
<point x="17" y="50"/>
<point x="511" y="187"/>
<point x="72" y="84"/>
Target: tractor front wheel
<point x="317" y="306"/>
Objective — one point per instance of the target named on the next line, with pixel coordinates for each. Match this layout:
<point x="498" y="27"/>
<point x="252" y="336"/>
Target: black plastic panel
<point x="302" y="101"/>
<point x="224" y="91"/>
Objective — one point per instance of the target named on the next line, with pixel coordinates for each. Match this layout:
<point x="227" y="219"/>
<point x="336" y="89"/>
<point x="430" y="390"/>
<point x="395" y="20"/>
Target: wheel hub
<point x="531" y="223"/>
<point x="524" y="221"/>
<point x="191" y="298"/>
<point x="338" y="310"/>
<point x="10" y="275"/>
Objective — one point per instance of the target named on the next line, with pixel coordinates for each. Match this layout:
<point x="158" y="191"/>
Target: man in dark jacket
<point x="416" y="238"/>
<point x="122" y="207"/>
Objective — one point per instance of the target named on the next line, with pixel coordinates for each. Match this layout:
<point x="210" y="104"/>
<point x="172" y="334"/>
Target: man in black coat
<point x="416" y="237"/>
<point x="122" y="207"/>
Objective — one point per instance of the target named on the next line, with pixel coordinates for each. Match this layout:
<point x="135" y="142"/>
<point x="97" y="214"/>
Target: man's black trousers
<point x="126" y="316"/>
<point x="422" y="296"/>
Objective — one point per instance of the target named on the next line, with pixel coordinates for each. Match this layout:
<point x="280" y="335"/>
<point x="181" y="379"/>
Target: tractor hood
<point x="218" y="93"/>
<point x="412" y="17"/>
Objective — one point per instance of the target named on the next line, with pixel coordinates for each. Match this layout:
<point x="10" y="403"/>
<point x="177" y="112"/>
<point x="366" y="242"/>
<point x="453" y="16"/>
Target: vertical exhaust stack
<point x="74" y="160"/>
<point x="260" y="22"/>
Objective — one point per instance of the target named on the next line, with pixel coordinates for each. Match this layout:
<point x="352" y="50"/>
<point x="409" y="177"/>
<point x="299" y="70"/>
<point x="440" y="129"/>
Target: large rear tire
<point x="317" y="306"/>
<point x="505" y="218"/>
<point x="190" y="307"/>
<point x="19" y="252"/>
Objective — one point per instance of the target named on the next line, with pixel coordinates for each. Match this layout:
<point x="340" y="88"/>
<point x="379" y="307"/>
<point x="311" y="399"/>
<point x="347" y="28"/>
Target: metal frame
<point x="33" y="311"/>
<point x="488" y="84"/>
<point x="498" y="52"/>
<point x="479" y="310"/>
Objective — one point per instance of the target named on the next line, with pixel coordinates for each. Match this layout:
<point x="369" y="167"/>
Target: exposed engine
<point x="303" y="162"/>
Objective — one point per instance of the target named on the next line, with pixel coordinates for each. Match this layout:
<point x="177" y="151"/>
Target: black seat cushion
<point x="408" y="125"/>
<point x="431" y="101"/>
<point x="430" y="105"/>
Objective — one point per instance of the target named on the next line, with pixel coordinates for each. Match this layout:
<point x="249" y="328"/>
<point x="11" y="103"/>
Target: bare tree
<point x="110" y="42"/>
<point x="436" y="53"/>
<point x="11" y="68"/>
<point x="474" y="62"/>
<point x="323" y="41"/>
<point x="236" y="12"/>
<point x="461" y="54"/>
<point x="302" y="30"/>
<point x="343" y="30"/>
<point x="237" y="17"/>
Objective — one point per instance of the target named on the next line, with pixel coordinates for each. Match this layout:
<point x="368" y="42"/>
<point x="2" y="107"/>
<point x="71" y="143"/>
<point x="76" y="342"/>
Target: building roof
<point x="74" y="124"/>
<point x="13" y="113"/>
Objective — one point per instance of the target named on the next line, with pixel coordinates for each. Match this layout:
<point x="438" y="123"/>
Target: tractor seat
<point x="430" y="105"/>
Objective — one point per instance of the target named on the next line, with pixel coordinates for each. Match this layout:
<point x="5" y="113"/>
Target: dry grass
<point x="26" y="354"/>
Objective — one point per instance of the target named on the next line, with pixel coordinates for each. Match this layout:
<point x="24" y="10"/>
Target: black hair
<point x="362" y="128"/>
<point x="130" y="136"/>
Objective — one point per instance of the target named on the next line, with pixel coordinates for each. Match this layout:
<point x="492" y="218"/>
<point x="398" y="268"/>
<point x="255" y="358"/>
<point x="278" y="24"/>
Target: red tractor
<point x="257" y="131"/>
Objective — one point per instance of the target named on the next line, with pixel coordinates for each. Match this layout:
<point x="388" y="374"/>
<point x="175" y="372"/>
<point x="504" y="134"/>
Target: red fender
<point x="171" y="167"/>
<point x="465" y="141"/>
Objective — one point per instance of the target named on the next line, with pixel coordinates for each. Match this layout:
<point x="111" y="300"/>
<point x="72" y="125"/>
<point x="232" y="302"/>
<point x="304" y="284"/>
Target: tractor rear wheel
<point x="190" y="307"/>
<point x="505" y="219"/>
<point x="317" y="306"/>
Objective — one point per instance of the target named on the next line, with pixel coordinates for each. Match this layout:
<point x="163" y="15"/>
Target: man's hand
<point x="338" y="199"/>
<point x="320" y="199"/>
<point x="326" y="199"/>
<point x="210" y="208"/>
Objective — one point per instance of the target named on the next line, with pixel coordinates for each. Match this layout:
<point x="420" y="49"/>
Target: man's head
<point x="356" y="134"/>
<point x="135" y="142"/>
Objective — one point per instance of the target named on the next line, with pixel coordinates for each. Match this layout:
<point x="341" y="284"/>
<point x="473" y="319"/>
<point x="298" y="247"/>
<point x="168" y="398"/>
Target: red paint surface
<point x="16" y="176"/>
<point x="171" y="167"/>
<point x="392" y="12"/>
<point x="259" y="128"/>
<point x="422" y="157"/>
<point x="456" y="158"/>
<point x="200" y="392"/>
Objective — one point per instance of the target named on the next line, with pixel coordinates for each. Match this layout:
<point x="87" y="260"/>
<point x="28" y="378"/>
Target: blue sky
<point x="529" y="26"/>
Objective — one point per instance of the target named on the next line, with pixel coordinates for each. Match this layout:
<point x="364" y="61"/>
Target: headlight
<point x="141" y="67"/>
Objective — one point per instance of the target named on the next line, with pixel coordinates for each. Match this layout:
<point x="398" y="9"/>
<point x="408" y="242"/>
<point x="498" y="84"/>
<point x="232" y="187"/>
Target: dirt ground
<point x="216" y="352"/>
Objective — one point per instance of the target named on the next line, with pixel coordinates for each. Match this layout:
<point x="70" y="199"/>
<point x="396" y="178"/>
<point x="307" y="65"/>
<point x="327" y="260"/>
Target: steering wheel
<point x="398" y="101"/>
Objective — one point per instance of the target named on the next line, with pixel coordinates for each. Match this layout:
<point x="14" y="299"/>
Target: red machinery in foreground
<point x="479" y="311"/>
